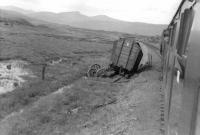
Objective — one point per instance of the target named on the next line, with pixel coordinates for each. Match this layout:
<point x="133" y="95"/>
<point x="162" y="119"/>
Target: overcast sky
<point x="149" y="11"/>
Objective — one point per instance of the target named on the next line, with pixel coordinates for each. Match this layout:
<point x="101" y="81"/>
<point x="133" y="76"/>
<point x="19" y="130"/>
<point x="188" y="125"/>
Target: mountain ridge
<point x="98" y="22"/>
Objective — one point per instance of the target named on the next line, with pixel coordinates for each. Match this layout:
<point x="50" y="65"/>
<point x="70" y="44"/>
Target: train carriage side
<point x="181" y="71"/>
<point x="190" y="95"/>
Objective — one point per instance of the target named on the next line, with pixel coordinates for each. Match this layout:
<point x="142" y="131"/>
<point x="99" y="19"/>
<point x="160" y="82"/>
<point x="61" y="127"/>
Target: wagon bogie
<point x="91" y="72"/>
<point x="95" y="66"/>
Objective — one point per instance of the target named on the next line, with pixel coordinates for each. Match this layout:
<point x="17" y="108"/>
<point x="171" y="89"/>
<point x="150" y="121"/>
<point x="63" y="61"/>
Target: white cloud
<point x="151" y="11"/>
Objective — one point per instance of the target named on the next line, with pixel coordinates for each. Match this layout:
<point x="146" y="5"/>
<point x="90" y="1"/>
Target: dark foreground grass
<point x="67" y="111"/>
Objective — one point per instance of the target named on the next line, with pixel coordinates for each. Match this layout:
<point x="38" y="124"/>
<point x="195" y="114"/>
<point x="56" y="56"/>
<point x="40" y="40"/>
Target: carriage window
<point x="172" y="34"/>
<point x="166" y="35"/>
<point x="185" y="27"/>
<point x="169" y="35"/>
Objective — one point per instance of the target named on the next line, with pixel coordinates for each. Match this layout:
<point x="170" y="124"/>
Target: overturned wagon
<point x="125" y="59"/>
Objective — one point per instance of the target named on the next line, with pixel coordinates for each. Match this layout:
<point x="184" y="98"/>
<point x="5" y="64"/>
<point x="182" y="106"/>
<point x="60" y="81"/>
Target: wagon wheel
<point x="91" y="72"/>
<point x="95" y="66"/>
<point x="101" y="72"/>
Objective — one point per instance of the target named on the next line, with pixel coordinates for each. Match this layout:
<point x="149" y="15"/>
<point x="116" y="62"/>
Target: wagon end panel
<point x="125" y="53"/>
<point x="117" y="47"/>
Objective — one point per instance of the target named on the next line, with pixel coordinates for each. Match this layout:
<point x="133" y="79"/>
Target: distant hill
<point x="10" y="17"/>
<point x="16" y="9"/>
<point x="14" y="17"/>
<point x="99" y="22"/>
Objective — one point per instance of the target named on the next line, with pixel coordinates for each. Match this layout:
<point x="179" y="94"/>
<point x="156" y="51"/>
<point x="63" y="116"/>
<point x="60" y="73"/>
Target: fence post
<point x="43" y="70"/>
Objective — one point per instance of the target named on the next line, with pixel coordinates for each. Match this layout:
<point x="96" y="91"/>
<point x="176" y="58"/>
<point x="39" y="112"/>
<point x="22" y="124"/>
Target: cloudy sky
<point x="149" y="11"/>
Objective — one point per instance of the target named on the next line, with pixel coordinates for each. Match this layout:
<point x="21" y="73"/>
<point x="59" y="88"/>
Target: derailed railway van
<point x="126" y="54"/>
<point x="180" y="50"/>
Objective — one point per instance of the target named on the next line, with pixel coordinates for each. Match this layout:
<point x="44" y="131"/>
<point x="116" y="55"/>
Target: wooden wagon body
<point x="126" y="54"/>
